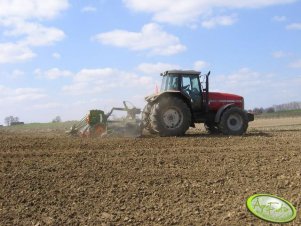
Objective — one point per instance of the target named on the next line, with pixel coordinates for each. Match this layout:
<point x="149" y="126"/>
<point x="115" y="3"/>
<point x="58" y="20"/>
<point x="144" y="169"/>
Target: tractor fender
<point x="155" y="97"/>
<point x="220" y="112"/>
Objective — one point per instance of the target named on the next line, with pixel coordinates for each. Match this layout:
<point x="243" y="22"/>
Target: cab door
<point x="190" y="86"/>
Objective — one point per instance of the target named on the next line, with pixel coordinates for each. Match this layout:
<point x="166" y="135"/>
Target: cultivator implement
<point x="98" y="124"/>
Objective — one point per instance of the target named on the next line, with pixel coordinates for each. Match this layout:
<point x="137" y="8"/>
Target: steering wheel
<point x="195" y="91"/>
<point x="185" y="87"/>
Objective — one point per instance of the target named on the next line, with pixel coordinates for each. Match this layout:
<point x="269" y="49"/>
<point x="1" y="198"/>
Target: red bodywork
<point x="217" y="100"/>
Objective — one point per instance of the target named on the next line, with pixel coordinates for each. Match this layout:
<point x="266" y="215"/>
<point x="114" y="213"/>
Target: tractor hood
<point x="212" y="96"/>
<point x="216" y="100"/>
<point x="224" y="96"/>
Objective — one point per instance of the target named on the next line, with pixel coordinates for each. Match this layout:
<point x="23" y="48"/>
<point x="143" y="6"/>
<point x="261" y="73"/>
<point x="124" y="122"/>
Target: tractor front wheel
<point x="170" y="117"/>
<point x="234" y="121"/>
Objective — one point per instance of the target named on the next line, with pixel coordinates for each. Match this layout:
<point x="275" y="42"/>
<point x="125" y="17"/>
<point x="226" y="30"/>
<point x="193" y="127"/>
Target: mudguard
<point x="154" y="97"/>
<point x="220" y="111"/>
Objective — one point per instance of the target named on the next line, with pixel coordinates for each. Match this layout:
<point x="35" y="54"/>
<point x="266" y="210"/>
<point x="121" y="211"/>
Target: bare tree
<point x="57" y="119"/>
<point x="288" y="106"/>
<point x="11" y="119"/>
<point x="258" y="111"/>
<point x="7" y="120"/>
<point x="270" y="110"/>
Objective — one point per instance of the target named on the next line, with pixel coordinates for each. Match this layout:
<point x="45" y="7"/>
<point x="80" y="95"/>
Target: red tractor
<point x="183" y="101"/>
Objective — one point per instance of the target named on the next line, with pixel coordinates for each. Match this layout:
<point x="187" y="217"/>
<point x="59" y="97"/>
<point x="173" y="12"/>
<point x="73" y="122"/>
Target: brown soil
<point x="199" y="179"/>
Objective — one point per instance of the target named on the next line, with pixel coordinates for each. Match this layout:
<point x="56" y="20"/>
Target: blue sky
<point x="66" y="57"/>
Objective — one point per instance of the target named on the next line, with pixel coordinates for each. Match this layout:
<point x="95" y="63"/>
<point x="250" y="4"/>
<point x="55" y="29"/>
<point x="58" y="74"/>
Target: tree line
<point x="12" y="120"/>
<point x="277" y="108"/>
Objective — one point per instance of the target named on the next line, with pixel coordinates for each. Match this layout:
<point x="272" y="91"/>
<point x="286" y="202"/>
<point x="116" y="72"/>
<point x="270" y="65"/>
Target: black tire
<point x="170" y="117"/>
<point x="234" y="121"/>
<point x="212" y="128"/>
<point x="146" y="118"/>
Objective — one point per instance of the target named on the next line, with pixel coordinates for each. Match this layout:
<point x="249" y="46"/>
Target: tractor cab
<point x="186" y="82"/>
<point x="184" y="101"/>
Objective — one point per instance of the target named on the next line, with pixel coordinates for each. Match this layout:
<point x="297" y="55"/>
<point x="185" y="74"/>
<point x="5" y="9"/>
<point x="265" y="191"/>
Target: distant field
<point x="40" y="127"/>
<point x="259" y="124"/>
<point x="282" y="118"/>
<point x="279" y="114"/>
<point x="276" y="123"/>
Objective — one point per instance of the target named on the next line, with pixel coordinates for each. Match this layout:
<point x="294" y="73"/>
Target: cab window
<point x="195" y="86"/>
<point x="186" y="85"/>
<point x="170" y="82"/>
<point x="190" y="85"/>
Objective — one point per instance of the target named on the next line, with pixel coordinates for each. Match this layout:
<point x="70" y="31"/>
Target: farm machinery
<point x="182" y="101"/>
<point x="98" y="123"/>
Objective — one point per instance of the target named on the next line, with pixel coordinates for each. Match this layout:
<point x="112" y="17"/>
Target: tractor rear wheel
<point x="170" y="117"/>
<point x="146" y="118"/>
<point x="234" y="121"/>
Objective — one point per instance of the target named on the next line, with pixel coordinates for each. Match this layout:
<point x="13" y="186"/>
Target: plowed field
<point x="48" y="178"/>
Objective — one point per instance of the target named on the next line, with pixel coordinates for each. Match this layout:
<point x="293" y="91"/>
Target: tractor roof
<point x="183" y="72"/>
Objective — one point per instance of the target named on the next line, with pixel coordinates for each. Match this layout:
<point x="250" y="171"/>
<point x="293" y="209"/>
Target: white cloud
<point x="12" y="96"/>
<point x="18" y="19"/>
<point x="11" y="53"/>
<point x="3" y="90"/>
<point x="32" y="8"/>
<point x="157" y="68"/>
<point x="151" y="38"/>
<point x="52" y="74"/>
<point x="36" y="34"/>
<point x="87" y="75"/>
<point x="259" y="89"/>
<point x="200" y="65"/>
<point x="56" y="56"/>
<point x="49" y="105"/>
<point x="280" y="54"/>
<point x="78" y="88"/>
<point x="89" y="9"/>
<point x="17" y="74"/>
<point x="181" y="12"/>
<point x="219" y="21"/>
<point x="294" y="26"/>
<point x="279" y="18"/>
<point x="91" y="81"/>
<point x="295" y="64"/>
<point x="22" y="94"/>
<point x="242" y="77"/>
